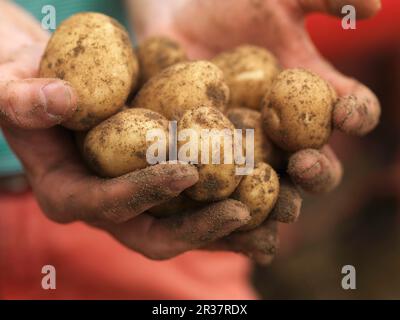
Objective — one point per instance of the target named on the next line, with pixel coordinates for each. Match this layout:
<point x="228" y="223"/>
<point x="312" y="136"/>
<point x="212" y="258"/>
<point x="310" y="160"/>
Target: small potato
<point x="243" y="118"/>
<point x="249" y="72"/>
<point x="216" y="181"/>
<point x="176" y="205"/>
<point x="118" y="145"/>
<point x="93" y="52"/>
<point x="259" y="192"/>
<point x="157" y="53"/>
<point x="297" y="112"/>
<point x="182" y="87"/>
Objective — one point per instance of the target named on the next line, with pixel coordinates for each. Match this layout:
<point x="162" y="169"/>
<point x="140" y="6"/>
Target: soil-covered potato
<point x="157" y="53"/>
<point x="249" y="72"/>
<point x="243" y="118"/>
<point x="259" y="192"/>
<point x="93" y="52"/>
<point x="297" y="111"/>
<point x="118" y="145"/>
<point x="184" y="86"/>
<point x="216" y="181"/>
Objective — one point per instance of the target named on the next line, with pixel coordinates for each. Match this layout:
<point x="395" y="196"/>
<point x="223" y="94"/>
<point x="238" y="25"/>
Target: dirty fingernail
<point x="57" y="99"/>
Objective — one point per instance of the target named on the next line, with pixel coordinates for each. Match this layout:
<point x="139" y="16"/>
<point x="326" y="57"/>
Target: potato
<point x="297" y="112"/>
<point x="259" y="192"/>
<point x="243" y="118"/>
<point x="216" y="181"/>
<point x="176" y="205"/>
<point x="93" y="52"/>
<point x="118" y="145"/>
<point x="184" y="86"/>
<point x="157" y="53"/>
<point x="249" y="72"/>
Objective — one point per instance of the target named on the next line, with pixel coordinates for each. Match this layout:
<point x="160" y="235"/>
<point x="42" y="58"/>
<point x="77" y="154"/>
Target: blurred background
<point x="359" y="223"/>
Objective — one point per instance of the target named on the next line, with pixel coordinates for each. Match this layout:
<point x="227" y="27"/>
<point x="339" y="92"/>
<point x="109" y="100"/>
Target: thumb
<point x="36" y="103"/>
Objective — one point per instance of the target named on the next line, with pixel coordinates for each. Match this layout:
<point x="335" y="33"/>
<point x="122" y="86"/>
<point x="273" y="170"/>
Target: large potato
<point x="297" y="111"/>
<point x="157" y="53"/>
<point x="184" y="86"/>
<point x="249" y="72"/>
<point x="93" y="52"/>
<point x="216" y="181"/>
<point x="259" y="192"/>
<point x="243" y="118"/>
<point x="118" y="145"/>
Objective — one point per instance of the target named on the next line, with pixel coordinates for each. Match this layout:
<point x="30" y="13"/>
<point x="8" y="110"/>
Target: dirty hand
<point x="207" y="27"/>
<point x="66" y="191"/>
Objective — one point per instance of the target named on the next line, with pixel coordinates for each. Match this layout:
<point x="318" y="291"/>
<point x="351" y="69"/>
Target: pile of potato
<point x="124" y="92"/>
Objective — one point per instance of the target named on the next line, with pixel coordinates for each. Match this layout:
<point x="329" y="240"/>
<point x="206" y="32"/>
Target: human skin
<point x="207" y="27"/>
<point x="30" y="108"/>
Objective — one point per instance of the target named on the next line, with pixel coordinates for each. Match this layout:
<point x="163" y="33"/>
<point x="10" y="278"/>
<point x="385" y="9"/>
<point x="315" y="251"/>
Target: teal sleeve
<point x="9" y="164"/>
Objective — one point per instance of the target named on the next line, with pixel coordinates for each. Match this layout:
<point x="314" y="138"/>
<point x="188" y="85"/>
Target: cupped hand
<point x="30" y="109"/>
<point x="206" y="27"/>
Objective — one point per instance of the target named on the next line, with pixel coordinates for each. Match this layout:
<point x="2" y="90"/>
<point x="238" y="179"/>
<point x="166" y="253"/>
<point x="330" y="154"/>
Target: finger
<point x="36" y="103"/>
<point x="364" y="8"/>
<point x="165" y="238"/>
<point x="118" y="200"/>
<point x="357" y="112"/>
<point x="259" y="244"/>
<point x="315" y="171"/>
<point x="288" y="206"/>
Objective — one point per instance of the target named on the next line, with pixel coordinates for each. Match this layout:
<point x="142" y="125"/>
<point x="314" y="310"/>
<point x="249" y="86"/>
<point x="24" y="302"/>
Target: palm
<point x="206" y="27"/>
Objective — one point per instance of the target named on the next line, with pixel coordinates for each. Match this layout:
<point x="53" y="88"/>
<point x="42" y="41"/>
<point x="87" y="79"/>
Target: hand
<point x="66" y="191"/>
<point x="206" y="27"/>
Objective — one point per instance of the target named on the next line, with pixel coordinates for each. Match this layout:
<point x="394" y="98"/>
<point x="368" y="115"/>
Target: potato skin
<point x="93" y="52"/>
<point x="183" y="86"/>
<point x="118" y="145"/>
<point x="157" y="53"/>
<point x="259" y="192"/>
<point x="297" y="112"/>
<point x="244" y="118"/>
<point x="249" y="72"/>
<point x="216" y="181"/>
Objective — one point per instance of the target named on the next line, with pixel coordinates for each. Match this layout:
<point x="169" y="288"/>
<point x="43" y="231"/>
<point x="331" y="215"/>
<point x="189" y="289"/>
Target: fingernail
<point x="57" y="99"/>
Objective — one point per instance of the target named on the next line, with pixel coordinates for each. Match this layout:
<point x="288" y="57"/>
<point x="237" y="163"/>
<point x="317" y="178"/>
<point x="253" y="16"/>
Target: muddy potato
<point x="183" y="86"/>
<point x="297" y="112"/>
<point x="216" y="181"/>
<point x="259" y="192"/>
<point x="157" y="53"/>
<point x="176" y="205"/>
<point x="93" y="52"/>
<point x="243" y="118"/>
<point x="249" y="72"/>
<point x="118" y="145"/>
